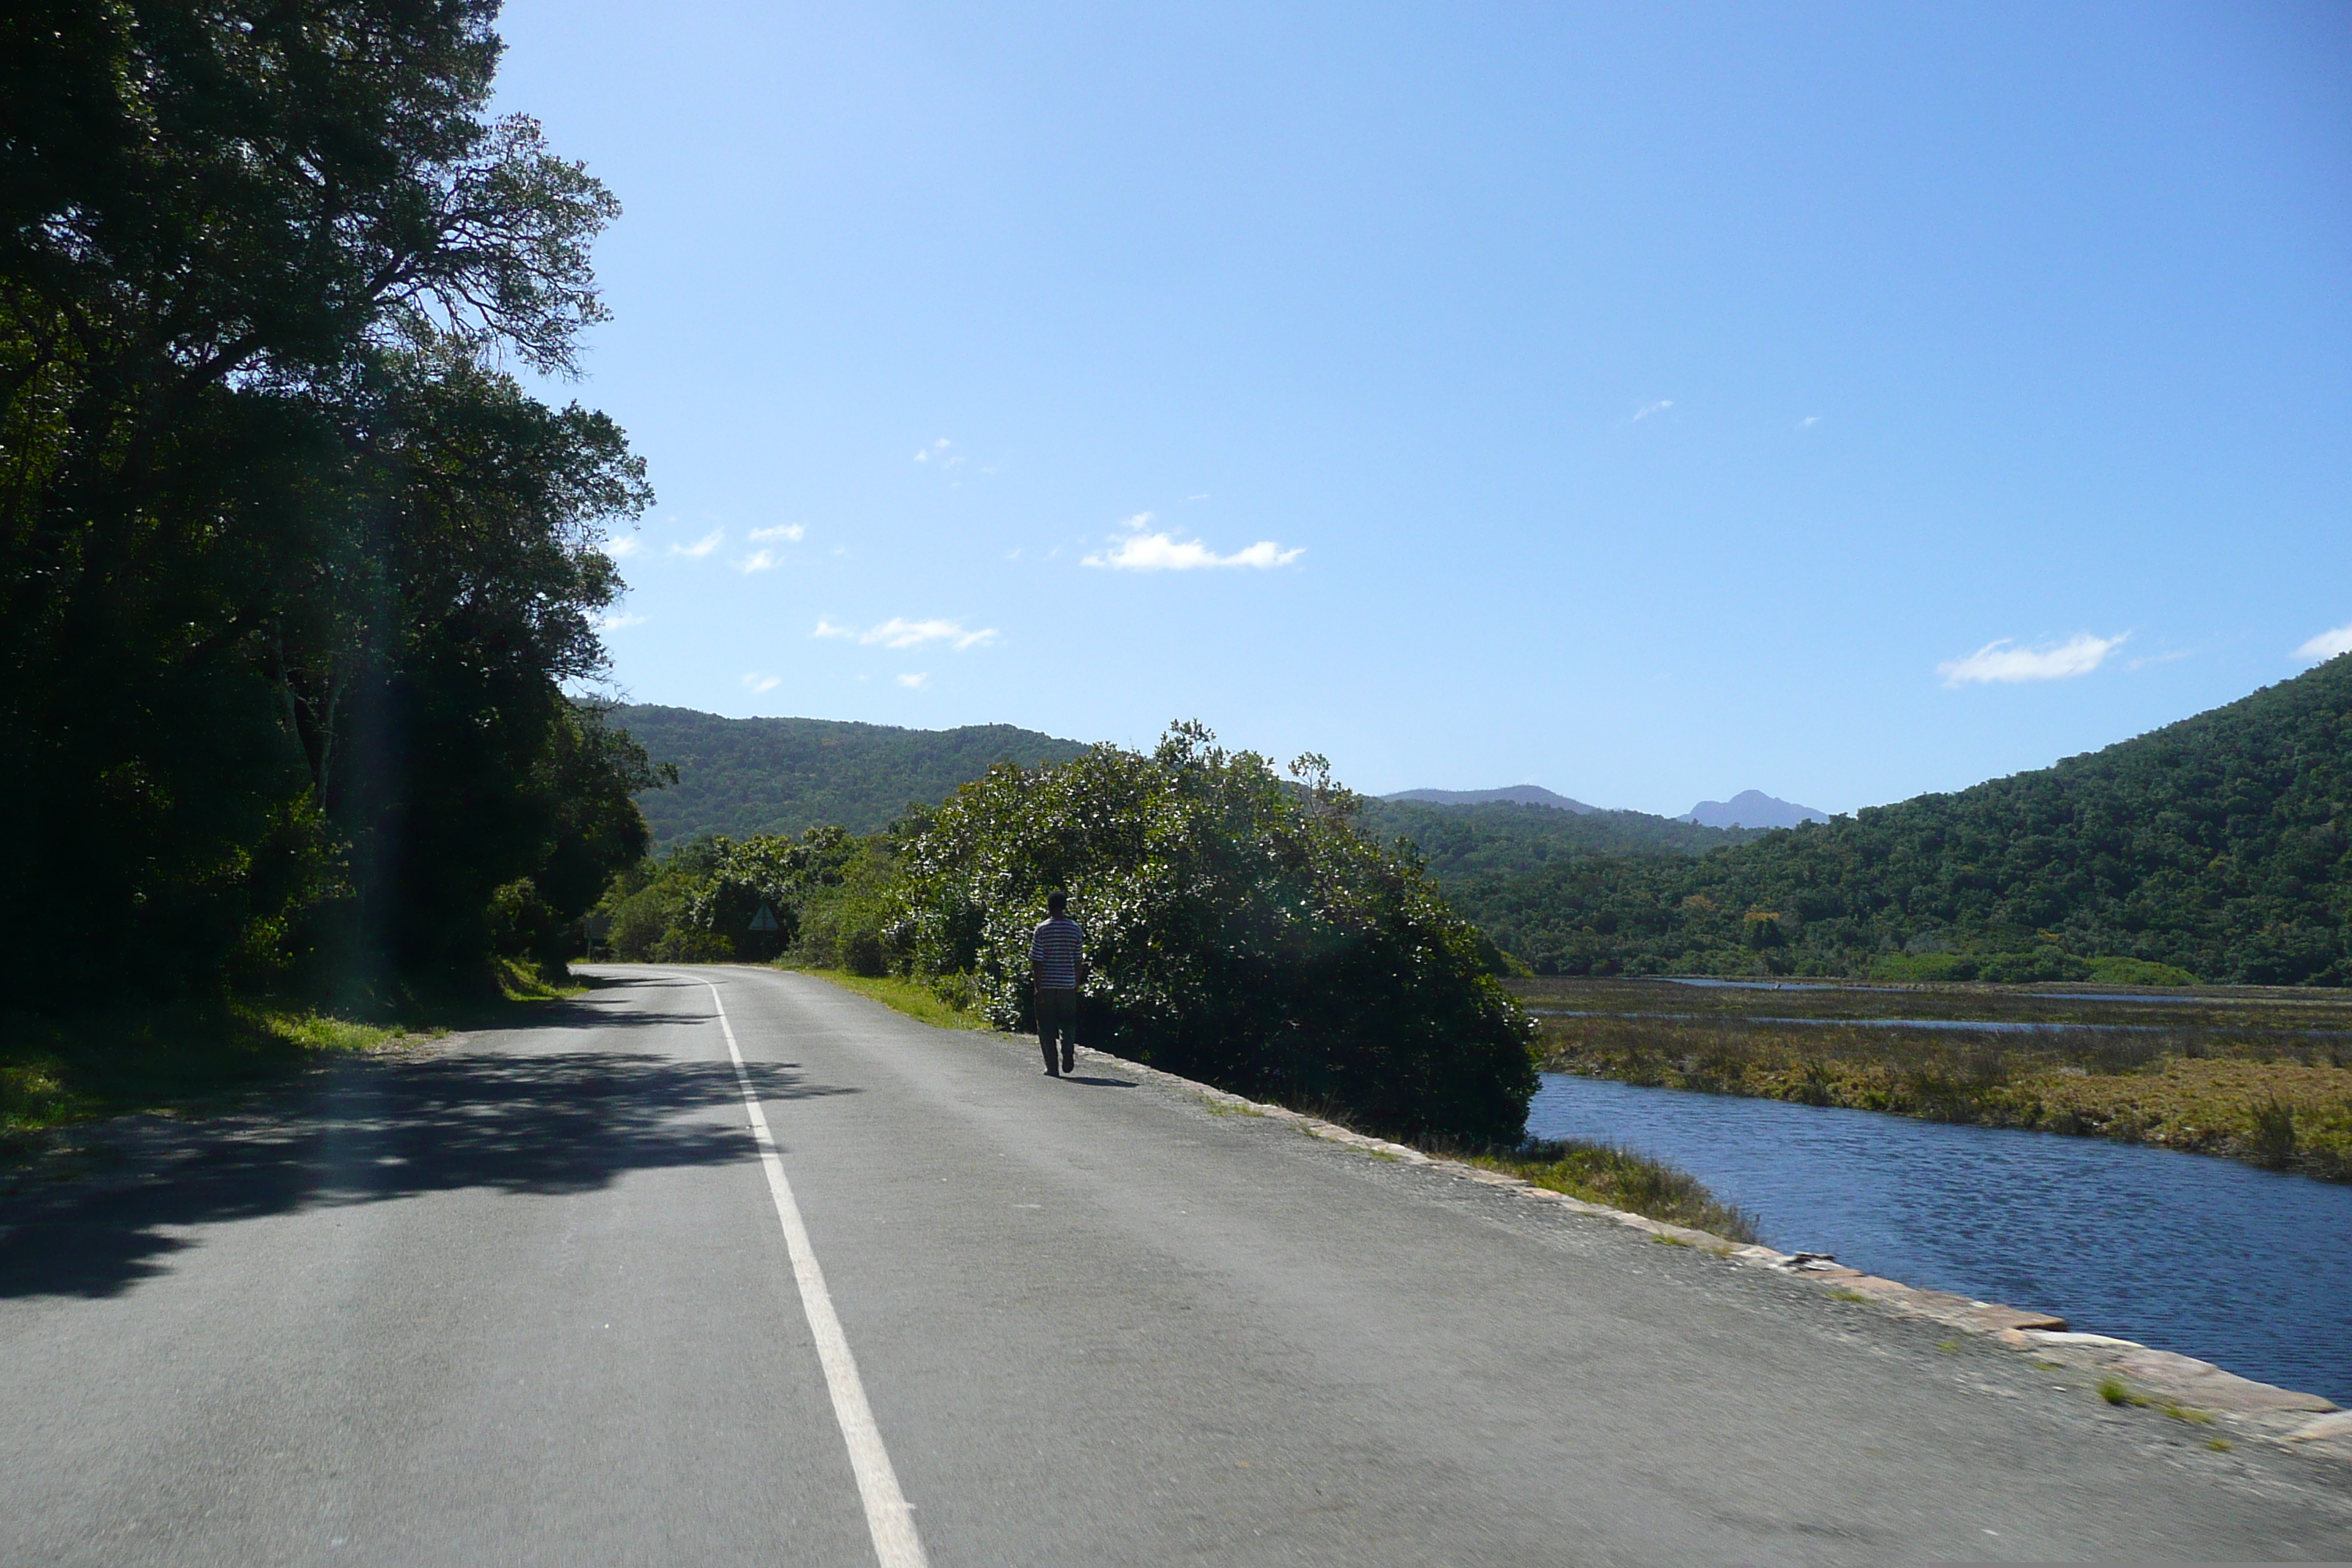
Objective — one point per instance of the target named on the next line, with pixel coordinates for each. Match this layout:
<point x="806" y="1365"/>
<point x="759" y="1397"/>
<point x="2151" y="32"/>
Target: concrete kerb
<point x="2198" y="1388"/>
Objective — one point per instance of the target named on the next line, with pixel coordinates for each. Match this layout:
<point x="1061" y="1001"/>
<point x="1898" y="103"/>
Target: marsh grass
<point x="1616" y="1178"/>
<point x="2282" y="1099"/>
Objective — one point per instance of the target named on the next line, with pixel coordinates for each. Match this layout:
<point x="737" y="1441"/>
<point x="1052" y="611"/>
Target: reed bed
<point x="2274" y="1098"/>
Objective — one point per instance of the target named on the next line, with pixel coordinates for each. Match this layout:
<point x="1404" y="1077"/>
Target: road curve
<point x="528" y="1299"/>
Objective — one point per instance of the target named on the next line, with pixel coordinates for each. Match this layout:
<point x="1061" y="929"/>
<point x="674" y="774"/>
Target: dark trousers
<point x="1058" y="1019"/>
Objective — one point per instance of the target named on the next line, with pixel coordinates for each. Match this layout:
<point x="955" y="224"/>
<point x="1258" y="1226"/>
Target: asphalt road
<point x="527" y="1299"/>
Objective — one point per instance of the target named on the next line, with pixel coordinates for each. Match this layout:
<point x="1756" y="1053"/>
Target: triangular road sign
<point x="766" y="919"/>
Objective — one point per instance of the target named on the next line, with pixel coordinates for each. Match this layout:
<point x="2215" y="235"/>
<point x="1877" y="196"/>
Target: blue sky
<point x="1647" y="401"/>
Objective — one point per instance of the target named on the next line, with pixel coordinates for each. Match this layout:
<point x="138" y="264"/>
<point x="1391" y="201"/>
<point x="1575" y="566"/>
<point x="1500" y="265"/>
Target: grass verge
<point x="55" y="1072"/>
<point x="176" y="1059"/>
<point x="1619" y="1178"/>
<point x="911" y="997"/>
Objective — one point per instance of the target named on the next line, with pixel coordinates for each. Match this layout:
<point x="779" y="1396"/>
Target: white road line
<point x="887" y="1515"/>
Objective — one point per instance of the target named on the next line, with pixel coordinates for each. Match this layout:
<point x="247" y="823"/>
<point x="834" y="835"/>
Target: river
<point x="2250" y="1270"/>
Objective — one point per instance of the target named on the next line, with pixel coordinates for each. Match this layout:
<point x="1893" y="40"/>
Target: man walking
<point x="1057" y="967"/>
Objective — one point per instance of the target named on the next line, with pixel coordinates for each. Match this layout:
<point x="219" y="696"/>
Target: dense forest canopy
<point x="294" y="577"/>
<point x="1462" y="842"/>
<point x="2219" y="847"/>
<point x="740" y="777"/>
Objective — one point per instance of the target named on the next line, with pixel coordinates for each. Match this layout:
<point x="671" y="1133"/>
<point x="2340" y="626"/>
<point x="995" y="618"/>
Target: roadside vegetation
<point x="2266" y="1079"/>
<point x="189" y="1055"/>
<point x="1619" y="1178"/>
<point x="299" y="584"/>
<point x="1243" y="929"/>
<point x="912" y="997"/>
<point x="171" y="1059"/>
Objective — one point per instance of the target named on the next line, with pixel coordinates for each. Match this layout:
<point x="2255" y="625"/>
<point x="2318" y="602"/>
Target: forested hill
<point x="2222" y="846"/>
<point x="742" y="777"/>
<point x="1461" y="842"/>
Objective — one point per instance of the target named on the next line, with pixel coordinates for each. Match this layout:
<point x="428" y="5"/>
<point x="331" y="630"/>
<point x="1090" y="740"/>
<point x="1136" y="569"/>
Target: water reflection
<point x="2248" y="1268"/>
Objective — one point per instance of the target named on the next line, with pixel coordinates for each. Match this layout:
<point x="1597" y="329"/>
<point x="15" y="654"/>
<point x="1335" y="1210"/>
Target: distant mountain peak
<point x="1751" y="808"/>
<point x="1518" y="794"/>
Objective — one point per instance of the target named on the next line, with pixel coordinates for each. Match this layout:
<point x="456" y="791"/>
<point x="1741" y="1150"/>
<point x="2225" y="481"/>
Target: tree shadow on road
<point x="533" y="1117"/>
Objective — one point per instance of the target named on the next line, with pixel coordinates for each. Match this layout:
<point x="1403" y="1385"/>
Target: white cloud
<point x="616" y="622"/>
<point x="1809" y="421"/>
<point x="756" y="683"/>
<point x="900" y="632"/>
<point x="1660" y="407"/>
<point x="1142" y="551"/>
<point x="2328" y="645"/>
<point x="758" y="561"/>
<point x="941" y="453"/>
<point x="2000" y="662"/>
<point x="917" y="679"/>
<point x="702" y="546"/>
<point x="621" y="549"/>
<point x="792" y="532"/>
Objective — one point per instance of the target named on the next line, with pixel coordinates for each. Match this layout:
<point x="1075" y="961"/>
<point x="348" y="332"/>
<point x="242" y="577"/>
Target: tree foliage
<point x="292" y="574"/>
<point x="1242" y="930"/>
<point x="827" y="893"/>
<point x="2220" y="847"/>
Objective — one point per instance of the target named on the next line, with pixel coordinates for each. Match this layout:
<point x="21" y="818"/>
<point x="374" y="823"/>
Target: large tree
<point x="292" y="573"/>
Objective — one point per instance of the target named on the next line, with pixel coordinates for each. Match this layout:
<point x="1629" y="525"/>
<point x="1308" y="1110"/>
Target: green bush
<point x="2139" y="972"/>
<point x="1242" y="930"/>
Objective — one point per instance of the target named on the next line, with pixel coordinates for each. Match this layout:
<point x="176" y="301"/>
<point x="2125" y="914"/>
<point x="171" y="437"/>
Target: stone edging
<point x="2285" y="1416"/>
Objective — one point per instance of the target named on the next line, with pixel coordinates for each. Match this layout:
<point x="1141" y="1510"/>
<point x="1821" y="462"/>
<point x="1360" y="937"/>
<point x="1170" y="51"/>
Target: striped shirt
<point x="1056" y="950"/>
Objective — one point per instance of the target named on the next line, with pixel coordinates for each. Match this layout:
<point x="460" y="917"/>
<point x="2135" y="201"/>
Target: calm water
<point x="2248" y="1268"/>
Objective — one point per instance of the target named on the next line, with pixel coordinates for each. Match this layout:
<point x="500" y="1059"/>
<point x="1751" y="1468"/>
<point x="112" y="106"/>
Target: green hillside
<point x="2221" y="846"/>
<point x="1464" y="842"/>
<point x="742" y="777"/>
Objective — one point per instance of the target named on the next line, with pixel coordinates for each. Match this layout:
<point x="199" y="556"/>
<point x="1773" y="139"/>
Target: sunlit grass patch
<point x="1619" y="1178"/>
<point x="521" y="979"/>
<point x="912" y="997"/>
<point x="55" y="1072"/>
<point x="2116" y="1391"/>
